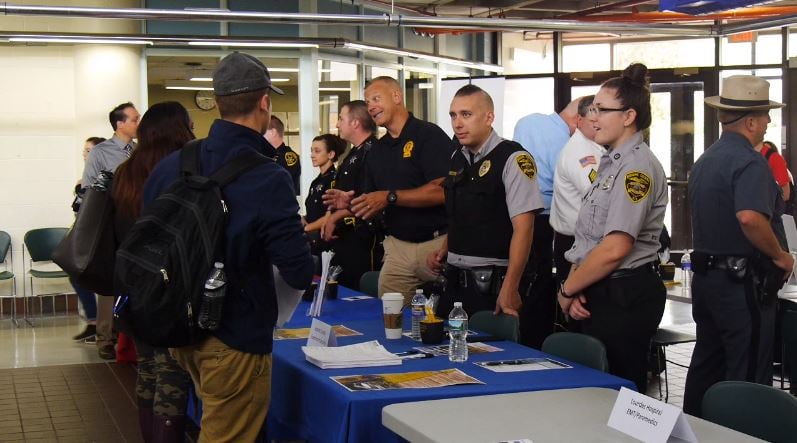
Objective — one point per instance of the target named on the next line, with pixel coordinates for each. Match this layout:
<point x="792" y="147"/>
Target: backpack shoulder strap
<point x="237" y="166"/>
<point x="189" y="158"/>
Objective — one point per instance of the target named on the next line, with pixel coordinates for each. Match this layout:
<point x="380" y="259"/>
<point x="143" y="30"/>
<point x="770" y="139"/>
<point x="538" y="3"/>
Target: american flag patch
<point x="588" y="160"/>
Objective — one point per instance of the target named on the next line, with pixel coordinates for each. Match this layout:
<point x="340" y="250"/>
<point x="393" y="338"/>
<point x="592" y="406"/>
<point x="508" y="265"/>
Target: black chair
<point x="579" y="348"/>
<point x="663" y="338"/>
<point x="789" y="349"/>
<point x="758" y="410"/>
<point x="503" y="326"/>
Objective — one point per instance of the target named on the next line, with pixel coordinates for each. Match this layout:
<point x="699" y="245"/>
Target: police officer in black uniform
<point x="325" y="150"/>
<point x="404" y="172"/>
<point x="738" y="263"/>
<point x="356" y="242"/>
<point x="286" y="157"/>
<point x="492" y="196"/>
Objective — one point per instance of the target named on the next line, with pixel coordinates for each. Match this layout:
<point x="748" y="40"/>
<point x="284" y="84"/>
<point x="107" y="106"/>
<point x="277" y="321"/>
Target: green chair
<point x="579" y="348"/>
<point x="7" y="273"/>
<point x="758" y="410"/>
<point x="369" y="283"/>
<point x="502" y="325"/>
<point x="40" y="244"/>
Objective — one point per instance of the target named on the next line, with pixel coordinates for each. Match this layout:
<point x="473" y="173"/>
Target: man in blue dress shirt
<point x="543" y="136"/>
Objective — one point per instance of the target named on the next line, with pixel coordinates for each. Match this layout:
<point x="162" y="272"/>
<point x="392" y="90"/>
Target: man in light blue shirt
<point x="543" y="136"/>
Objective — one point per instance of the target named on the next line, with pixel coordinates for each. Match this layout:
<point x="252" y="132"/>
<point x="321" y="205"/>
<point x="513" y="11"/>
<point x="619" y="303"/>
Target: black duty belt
<point x="422" y="237"/>
<point x="651" y="267"/>
<point x="701" y="261"/>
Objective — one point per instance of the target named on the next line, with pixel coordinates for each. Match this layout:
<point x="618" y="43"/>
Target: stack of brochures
<point x="353" y="356"/>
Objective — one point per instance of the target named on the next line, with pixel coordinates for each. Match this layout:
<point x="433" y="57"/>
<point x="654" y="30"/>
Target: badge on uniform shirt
<point x="291" y="158"/>
<point x="484" y="168"/>
<point x="408" y="149"/>
<point x="593" y="174"/>
<point x="588" y="160"/>
<point x="526" y="164"/>
<point x="637" y="186"/>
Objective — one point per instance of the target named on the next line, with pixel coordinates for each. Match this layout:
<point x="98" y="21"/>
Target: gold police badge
<point x="526" y="164"/>
<point x="291" y="158"/>
<point x="637" y="186"/>
<point x="408" y="149"/>
<point x="484" y="168"/>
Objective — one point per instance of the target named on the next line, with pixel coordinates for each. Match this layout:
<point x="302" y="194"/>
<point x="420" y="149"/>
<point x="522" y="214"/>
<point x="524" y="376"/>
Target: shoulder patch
<point x="408" y="149"/>
<point x="526" y="164"/>
<point x="291" y="158"/>
<point x="637" y="186"/>
<point x="593" y="174"/>
<point x="484" y="168"/>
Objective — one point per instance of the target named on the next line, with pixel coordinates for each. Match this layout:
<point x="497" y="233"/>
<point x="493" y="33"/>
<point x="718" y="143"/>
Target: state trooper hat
<point x="238" y="73"/>
<point x="743" y="93"/>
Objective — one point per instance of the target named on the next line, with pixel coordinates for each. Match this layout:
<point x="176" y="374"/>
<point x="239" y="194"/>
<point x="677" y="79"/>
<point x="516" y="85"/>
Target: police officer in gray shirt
<point x="613" y="286"/>
<point x="107" y="156"/>
<point x="492" y="196"/>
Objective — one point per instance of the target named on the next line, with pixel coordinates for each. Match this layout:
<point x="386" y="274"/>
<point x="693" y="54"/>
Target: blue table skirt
<point x="306" y="404"/>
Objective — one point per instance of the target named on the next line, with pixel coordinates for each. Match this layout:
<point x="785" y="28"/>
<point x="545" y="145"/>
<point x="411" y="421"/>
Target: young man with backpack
<point x="231" y="367"/>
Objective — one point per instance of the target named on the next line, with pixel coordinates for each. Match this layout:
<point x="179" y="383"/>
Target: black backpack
<point x="791" y="203"/>
<point x="162" y="264"/>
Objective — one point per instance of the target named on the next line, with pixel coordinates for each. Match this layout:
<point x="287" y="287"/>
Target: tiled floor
<point x="92" y="402"/>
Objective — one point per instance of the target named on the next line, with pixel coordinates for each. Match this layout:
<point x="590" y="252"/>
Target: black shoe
<point x="90" y="331"/>
<point x="91" y="340"/>
<point x="107" y="352"/>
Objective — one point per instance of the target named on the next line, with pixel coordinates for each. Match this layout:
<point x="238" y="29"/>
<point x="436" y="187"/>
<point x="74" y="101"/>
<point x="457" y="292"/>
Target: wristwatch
<point x="392" y="198"/>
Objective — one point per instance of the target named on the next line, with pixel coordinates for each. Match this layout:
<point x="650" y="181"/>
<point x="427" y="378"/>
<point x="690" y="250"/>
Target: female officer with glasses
<point x="613" y="287"/>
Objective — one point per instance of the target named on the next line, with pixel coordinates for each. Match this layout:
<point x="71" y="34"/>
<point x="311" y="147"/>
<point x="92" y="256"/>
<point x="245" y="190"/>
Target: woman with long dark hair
<point x="162" y="384"/>
<point x="614" y="287"/>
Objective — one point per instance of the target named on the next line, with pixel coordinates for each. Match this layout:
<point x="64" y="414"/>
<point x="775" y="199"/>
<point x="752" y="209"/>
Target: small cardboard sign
<point x="321" y="334"/>
<point x="648" y="419"/>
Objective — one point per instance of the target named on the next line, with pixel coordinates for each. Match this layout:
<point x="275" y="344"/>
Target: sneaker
<point x="91" y="340"/>
<point x="90" y="331"/>
<point x="107" y="352"/>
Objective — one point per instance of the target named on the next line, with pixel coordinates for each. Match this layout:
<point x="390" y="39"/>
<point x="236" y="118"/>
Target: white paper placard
<point x="648" y="419"/>
<point x="321" y="334"/>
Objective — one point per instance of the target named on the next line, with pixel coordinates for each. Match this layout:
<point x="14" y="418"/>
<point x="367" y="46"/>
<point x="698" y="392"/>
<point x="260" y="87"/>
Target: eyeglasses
<point x="597" y="110"/>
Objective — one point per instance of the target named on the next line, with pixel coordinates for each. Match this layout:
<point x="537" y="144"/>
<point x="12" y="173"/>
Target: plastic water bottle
<point x="418" y="308"/>
<point x="213" y="298"/>
<point x="458" y="332"/>
<point x="686" y="267"/>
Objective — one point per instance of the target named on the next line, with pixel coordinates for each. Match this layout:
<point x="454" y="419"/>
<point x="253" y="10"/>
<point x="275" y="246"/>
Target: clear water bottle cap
<point x="458" y="304"/>
<point x="219" y="265"/>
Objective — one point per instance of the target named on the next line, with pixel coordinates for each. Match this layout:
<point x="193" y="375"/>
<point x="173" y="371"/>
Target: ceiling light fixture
<point x="201" y="79"/>
<point x="251" y="44"/>
<point x="423" y="56"/>
<point x="76" y="39"/>
<point x="190" y="88"/>
<point x="335" y="89"/>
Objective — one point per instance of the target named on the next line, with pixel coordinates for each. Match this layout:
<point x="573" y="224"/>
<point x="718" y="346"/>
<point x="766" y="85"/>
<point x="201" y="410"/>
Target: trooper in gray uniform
<point x="613" y="286"/>
<point x="492" y="196"/>
<point x="738" y="263"/>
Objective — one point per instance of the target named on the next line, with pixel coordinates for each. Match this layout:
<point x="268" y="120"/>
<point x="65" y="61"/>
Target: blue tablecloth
<point x="306" y="404"/>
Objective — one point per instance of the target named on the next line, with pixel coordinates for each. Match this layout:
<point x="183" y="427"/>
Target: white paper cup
<point x="392" y="310"/>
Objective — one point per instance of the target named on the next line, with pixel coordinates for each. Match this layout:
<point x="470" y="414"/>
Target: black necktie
<point x="128" y="149"/>
<point x="472" y="157"/>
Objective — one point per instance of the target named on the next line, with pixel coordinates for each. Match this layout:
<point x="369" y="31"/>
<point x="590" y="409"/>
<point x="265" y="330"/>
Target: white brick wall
<point x="54" y="97"/>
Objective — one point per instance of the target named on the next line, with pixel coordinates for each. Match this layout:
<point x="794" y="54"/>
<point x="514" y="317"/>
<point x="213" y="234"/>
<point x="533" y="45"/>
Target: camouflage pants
<point x="162" y="384"/>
